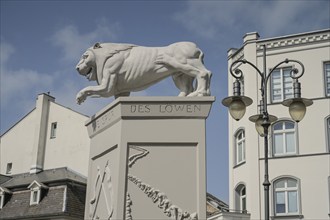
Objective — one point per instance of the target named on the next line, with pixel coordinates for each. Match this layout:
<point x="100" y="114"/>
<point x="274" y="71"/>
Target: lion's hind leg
<point x="193" y="67"/>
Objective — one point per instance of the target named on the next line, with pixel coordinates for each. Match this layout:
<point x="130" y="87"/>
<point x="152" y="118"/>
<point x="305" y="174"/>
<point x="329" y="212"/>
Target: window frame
<point x="286" y="189"/>
<point x="243" y="150"/>
<point x="239" y="198"/>
<point x="2" y="199"/>
<point x="325" y="63"/>
<point x="35" y="191"/>
<point x="282" y="85"/>
<point x="4" y="196"/>
<point x="9" y="168"/>
<point x="53" y="130"/>
<point x="327" y="133"/>
<point x="284" y="133"/>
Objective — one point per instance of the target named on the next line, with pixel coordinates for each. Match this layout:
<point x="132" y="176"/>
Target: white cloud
<point x="73" y="43"/>
<point x="6" y="50"/>
<point x="16" y="84"/>
<point x="216" y="19"/>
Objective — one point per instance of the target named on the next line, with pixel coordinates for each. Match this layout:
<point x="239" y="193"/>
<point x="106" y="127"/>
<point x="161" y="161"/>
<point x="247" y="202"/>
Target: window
<point x="243" y="199"/>
<point x="53" y="130"/>
<point x="35" y="195"/>
<point x="240" y="198"/>
<point x="286" y="196"/>
<point x="284" y="138"/>
<point x="240" y="146"/>
<point x="328" y="132"/>
<point x="9" y="168"/>
<point x="37" y="190"/>
<point x="327" y="78"/>
<point x="4" y="196"/>
<point x="2" y="200"/>
<point x="281" y="83"/>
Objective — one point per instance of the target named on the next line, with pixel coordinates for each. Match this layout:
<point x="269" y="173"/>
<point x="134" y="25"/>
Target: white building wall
<point x="312" y="163"/>
<point x="70" y="147"/>
<point x="18" y="151"/>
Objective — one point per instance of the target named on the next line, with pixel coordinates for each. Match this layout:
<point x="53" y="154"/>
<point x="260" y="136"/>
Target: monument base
<point x="147" y="159"/>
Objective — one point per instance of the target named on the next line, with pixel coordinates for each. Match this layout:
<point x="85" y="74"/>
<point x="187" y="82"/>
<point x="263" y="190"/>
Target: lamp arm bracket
<point x="294" y="73"/>
<point x="237" y="73"/>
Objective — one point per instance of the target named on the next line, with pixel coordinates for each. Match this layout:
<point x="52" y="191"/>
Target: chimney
<point x="250" y="37"/>
<point x="41" y="121"/>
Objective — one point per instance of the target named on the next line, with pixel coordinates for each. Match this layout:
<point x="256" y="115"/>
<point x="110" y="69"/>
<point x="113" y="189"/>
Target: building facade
<point x="43" y="164"/>
<point x="299" y="153"/>
<point x="50" y="136"/>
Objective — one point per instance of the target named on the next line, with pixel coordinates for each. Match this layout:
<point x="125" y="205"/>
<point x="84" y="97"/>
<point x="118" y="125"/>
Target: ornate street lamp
<point x="237" y="106"/>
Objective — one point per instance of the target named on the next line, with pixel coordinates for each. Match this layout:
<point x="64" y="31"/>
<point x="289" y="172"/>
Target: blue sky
<point x="41" y="42"/>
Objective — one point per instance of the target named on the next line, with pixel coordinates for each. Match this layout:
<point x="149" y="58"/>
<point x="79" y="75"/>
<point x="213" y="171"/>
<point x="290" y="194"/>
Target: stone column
<point x="147" y="159"/>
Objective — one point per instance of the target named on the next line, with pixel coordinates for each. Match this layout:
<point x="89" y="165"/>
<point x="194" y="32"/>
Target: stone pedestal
<point x="147" y="159"/>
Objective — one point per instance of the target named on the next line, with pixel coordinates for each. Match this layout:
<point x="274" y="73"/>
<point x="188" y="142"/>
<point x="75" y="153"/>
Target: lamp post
<point x="237" y="106"/>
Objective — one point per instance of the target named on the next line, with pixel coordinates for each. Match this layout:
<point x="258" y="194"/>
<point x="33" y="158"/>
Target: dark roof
<point x="45" y="177"/>
<point x="4" y="178"/>
<point x="56" y="202"/>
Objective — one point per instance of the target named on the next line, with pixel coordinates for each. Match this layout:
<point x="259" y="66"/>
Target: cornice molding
<point x="294" y="40"/>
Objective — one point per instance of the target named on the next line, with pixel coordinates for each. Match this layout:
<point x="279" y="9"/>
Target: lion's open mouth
<point x="89" y="74"/>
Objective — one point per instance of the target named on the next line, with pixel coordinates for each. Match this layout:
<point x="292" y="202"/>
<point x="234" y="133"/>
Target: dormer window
<point x="4" y="196"/>
<point x="37" y="190"/>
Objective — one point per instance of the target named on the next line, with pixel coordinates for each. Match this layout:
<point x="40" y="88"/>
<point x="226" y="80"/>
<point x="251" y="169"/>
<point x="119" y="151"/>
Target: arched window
<point x="240" y="146"/>
<point x="286" y="196"/>
<point x="284" y="138"/>
<point x="240" y="198"/>
<point x="243" y="199"/>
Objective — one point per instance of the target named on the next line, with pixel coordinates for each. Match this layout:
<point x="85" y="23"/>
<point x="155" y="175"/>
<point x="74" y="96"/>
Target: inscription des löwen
<point x="165" y="108"/>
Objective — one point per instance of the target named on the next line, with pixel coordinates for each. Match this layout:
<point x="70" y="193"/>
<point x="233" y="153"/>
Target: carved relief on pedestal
<point x="133" y="158"/>
<point x="156" y="196"/>
<point x="128" y="207"/>
<point x="102" y="187"/>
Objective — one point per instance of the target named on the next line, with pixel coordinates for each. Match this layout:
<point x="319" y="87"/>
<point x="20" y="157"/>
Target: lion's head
<point x="92" y="61"/>
<point x="86" y="66"/>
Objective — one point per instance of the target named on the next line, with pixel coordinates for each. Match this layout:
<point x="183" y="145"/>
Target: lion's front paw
<point x="81" y="97"/>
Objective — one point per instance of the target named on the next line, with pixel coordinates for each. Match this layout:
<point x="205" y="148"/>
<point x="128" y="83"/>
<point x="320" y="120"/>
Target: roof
<point x="46" y="176"/>
<point x="40" y="185"/>
<point x="57" y="202"/>
<point x="4" y="178"/>
<point x="215" y="205"/>
<point x="62" y="195"/>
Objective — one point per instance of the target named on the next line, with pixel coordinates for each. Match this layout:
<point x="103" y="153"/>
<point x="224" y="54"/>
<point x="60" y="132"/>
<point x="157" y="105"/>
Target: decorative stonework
<point x="129" y="203"/>
<point x="142" y="153"/>
<point x="299" y="40"/>
<point x="148" y="137"/>
<point x="162" y="202"/>
<point x="102" y="187"/>
<point x="286" y="42"/>
<point x="238" y="55"/>
<point x="120" y="69"/>
<point x="150" y="107"/>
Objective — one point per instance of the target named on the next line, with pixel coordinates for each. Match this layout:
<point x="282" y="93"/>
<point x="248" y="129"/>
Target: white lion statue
<point x="122" y="68"/>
